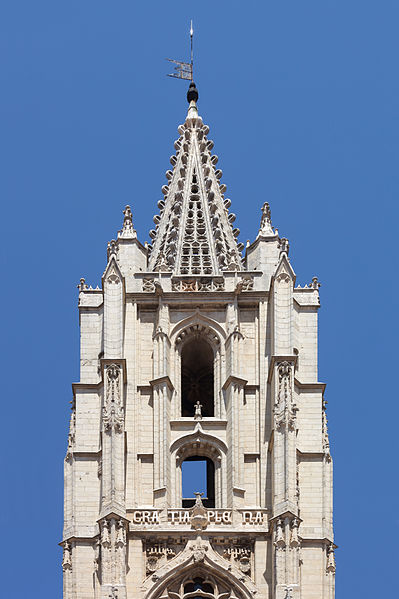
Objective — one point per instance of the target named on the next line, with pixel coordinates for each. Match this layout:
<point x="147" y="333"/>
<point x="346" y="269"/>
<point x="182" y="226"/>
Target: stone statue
<point x="198" y="413"/>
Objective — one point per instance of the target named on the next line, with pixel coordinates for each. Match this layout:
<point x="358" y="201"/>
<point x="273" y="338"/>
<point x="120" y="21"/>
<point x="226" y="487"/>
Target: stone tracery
<point x="193" y="233"/>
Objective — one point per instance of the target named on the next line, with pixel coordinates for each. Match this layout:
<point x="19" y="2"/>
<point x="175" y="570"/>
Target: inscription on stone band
<point x="180" y="516"/>
<point x="146" y="517"/>
<point x="214" y="516"/>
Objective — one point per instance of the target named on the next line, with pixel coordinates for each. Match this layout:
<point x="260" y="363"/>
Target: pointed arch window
<point x="197" y="377"/>
<point x="198" y="475"/>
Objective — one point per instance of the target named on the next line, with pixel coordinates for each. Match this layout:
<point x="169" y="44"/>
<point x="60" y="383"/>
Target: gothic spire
<point x="194" y="233"/>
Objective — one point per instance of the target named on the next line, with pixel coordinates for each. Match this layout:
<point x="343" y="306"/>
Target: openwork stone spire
<point x="194" y="233"/>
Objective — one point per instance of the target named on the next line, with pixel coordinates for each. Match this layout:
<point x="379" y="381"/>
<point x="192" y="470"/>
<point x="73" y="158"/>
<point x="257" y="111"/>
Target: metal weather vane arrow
<point x="184" y="70"/>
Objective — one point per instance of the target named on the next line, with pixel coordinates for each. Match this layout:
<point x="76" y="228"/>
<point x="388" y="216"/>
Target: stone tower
<point x="194" y="355"/>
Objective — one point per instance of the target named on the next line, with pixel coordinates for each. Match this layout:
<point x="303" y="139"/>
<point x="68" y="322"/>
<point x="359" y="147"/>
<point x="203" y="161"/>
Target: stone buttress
<point x="193" y="353"/>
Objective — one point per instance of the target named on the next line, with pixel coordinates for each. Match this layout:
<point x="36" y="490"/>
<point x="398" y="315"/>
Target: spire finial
<point x="192" y="94"/>
<point x="128" y="228"/>
<point x="266" y="229"/>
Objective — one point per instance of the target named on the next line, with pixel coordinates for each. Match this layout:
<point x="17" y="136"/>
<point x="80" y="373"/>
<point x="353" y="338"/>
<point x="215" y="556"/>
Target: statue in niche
<point x="198" y="412"/>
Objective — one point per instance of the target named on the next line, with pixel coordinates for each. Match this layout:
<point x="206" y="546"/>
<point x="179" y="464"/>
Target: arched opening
<point x="197" y="378"/>
<point x="198" y="475"/>
<point x="198" y="584"/>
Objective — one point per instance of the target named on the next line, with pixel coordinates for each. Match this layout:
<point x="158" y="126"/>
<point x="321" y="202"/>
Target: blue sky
<point x="302" y="102"/>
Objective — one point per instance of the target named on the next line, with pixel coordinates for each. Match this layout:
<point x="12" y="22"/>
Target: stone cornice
<point x="209" y="421"/>
<point x="311" y="454"/>
<point x="162" y="380"/>
<point x="282" y="513"/>
<point x="86" y="387"/>
<point x="173" y="297"/>
<point x="232" y="379"/>
<point x="317" y="386"/>
<point x="113" y="512"/>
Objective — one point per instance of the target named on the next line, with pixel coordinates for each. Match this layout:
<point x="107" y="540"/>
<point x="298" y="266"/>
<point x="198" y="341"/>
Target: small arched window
<point x="197" y="378"/>
<point x="198" y="475"/>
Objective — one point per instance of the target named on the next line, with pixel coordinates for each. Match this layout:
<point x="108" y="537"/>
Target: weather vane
<point x="184" y="70"/>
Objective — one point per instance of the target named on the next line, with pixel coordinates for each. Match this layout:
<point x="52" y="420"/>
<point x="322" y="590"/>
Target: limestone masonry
<point x="194" y="356"/>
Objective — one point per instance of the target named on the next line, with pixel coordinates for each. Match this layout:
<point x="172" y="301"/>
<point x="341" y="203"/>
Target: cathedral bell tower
<point x="191" y="352"/>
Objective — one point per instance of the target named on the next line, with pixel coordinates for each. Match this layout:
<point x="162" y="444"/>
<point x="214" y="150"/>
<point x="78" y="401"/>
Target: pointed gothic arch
<point x="199" y="354"/>
<point x="215" y="330"/>
<point x="197" y="358"/>
<point x="210" y="447"/>
<point x="226" y="583"/>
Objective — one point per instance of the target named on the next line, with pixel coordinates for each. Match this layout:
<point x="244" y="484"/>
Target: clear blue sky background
<point x="302" y="101"/>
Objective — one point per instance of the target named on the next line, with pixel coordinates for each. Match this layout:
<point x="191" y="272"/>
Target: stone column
<point x="234" y="391"/>
<point x="285" y="508"/>
<point x="113" y="557"/>
<point x="113" y="443"/>
<point x="162" y="390"/>
<point x="112" y="523"/>
<point x="286" y="544"/>
<point x="284" y="451"/>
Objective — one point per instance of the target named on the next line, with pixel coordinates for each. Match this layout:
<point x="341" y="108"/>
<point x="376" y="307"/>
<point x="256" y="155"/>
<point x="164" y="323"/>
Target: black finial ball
<point x="192" y="93"/>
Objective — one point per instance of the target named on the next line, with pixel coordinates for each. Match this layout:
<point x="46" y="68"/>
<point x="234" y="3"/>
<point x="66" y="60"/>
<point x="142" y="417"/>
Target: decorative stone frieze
<point x="148" y="285"/>
<point x="159" y="552"/>
<point x="247" y="283"/>
<point x="237" y="551"/>
<point x="198" y="285"/>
